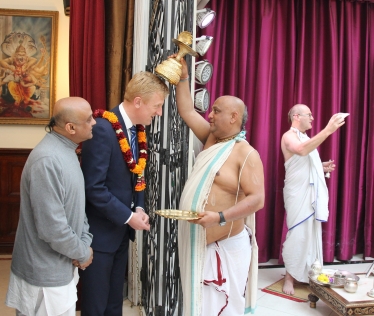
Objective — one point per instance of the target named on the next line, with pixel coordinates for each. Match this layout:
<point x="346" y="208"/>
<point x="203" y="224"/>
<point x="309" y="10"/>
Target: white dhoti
<point x="306" y="202"/>
<point x="303" y="245"/>
<point x="192" y="238"/>
<point x="33" y="300"/>
<point x="224" y="286"/>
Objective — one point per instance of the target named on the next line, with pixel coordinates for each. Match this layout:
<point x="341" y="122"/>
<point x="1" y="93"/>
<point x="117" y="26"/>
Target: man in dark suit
<point x="114" y="193"/>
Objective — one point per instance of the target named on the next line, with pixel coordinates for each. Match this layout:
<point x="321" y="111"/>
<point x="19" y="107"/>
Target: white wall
<point x="27" y="136"/>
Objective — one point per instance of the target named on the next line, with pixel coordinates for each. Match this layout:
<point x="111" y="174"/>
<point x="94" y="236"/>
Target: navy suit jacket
<point x="110" y="187"/>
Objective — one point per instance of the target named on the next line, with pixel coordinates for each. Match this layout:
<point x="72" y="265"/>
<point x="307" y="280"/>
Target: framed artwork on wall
<point x="28" y="46"/>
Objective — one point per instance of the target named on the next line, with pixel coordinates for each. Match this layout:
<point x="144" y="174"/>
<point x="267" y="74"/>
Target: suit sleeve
<point x="96" y="157"/>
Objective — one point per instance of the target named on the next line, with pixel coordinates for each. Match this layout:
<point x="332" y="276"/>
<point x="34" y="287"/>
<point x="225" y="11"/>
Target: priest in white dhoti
<point x="305" y="194"/>
<point x="218" y="251"/>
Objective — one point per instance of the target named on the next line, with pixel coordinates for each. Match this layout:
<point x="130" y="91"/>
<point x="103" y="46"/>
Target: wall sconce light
<point x="203" y="72"/>
<point x="201" y="4"/>
<point x="204" y="17"/>
<point x="202" y="100"/>
<point x="203" y="44"/>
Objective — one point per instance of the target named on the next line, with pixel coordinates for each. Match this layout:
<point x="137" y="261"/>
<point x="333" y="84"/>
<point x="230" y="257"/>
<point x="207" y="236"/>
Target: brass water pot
<point x="171" y="68"/>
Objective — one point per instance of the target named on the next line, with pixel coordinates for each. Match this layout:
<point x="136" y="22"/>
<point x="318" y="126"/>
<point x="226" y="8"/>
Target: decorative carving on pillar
<point x="167" y="168"/>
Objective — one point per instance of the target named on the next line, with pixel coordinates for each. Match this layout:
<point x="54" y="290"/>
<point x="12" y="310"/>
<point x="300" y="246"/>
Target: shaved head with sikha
<point x="297" y="108"/>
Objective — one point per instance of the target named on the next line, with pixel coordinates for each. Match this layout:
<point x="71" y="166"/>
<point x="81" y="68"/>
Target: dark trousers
<point x="102" y="283"/>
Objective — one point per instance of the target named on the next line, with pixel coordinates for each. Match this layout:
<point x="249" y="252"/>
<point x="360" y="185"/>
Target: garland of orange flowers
<point x="137" y="168"/>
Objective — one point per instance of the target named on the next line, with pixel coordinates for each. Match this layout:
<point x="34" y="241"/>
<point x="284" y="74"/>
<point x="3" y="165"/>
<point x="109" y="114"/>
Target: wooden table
<point x="344" y="303"/>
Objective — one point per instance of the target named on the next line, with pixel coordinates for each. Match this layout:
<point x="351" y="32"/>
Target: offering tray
<point x="330" y="273"/>
<point x="178" y="214"/>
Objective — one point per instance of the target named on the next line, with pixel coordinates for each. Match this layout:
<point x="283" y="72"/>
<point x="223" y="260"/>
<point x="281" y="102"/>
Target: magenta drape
<point x="273" y="54"/>
<point x="87" y="51"/>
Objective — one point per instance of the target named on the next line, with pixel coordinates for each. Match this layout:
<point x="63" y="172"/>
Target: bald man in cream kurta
<point x="305" y="194"/>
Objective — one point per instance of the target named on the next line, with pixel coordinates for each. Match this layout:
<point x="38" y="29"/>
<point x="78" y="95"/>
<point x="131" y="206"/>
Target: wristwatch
<point x="222" y="221"/>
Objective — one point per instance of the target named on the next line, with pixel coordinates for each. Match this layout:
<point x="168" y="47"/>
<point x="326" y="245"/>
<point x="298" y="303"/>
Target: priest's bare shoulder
<point x="235" y="199"/>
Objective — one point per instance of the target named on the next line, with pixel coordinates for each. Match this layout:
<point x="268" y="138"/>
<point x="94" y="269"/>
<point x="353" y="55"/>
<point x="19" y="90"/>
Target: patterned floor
<point x="268" y="304"/>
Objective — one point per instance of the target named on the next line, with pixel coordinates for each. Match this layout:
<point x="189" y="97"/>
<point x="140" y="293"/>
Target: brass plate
<point x="330" y="273"/>
<point x="178" y="214"/>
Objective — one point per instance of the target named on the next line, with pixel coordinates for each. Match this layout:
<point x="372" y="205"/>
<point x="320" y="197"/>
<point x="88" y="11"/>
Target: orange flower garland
<point x="137" y="168"/>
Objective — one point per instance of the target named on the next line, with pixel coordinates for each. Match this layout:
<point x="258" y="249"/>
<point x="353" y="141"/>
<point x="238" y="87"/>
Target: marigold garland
<point x="137" y="168"/>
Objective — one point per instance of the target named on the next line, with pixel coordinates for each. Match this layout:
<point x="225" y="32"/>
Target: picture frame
<point x="28" y="48"/>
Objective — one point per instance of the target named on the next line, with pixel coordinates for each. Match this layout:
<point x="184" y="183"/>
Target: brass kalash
<point x="171" y="69"/>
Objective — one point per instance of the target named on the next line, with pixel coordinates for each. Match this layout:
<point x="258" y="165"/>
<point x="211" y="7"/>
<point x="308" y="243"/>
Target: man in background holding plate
<point x="305" y="193"/>
<point x="226" y="188"/>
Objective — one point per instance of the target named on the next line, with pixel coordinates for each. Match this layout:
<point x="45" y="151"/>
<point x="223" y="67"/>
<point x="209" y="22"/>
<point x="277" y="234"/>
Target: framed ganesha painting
<point x="28" y="44"/>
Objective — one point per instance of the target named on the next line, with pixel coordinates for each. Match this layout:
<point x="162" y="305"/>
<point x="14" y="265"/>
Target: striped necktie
<point x="133" y="144"/>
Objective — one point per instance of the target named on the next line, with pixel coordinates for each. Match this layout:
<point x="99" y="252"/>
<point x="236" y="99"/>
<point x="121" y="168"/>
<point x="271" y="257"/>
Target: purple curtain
<point x="273" y="54"/>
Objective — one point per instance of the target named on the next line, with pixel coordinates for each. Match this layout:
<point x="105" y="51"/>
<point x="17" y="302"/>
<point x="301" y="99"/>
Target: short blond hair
<point x="143" y="84"/>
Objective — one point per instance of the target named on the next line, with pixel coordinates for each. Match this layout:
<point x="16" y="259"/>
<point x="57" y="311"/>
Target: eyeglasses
<point x="308" y="114"/>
